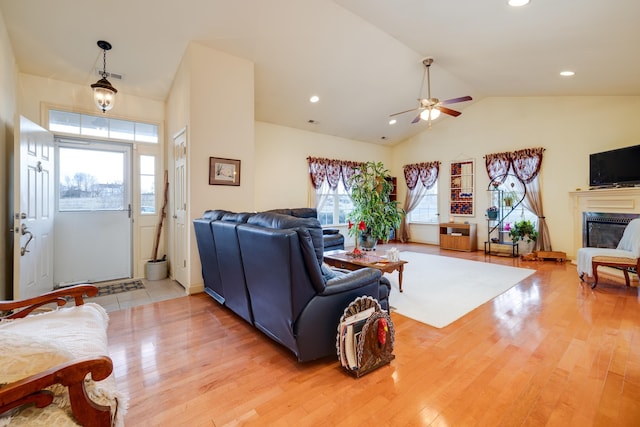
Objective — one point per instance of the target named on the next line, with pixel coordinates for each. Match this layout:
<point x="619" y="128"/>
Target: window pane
<point x="325" y="215"/>
<point x="336" y="207"/>
<point x="146" y="133"/>
<point x="427" y="209"/>
<point x="121" y="129"/>
<point x="147" y="165"/>
<point x="61" y="121"/>
<point x="147" y="184"/>
<point x="147" y="195"/>
<point x="345" y="207"/>
<point x="91" y="180"/>
<point x="94" y="126"/>
<point x="105" y="127"/>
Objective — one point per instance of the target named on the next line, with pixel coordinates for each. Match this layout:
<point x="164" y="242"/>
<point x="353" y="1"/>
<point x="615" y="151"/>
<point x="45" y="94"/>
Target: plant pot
<point x="525" y="247"/>
<point x="367" y="242"/>
<point x="156" y="270"/>
<point x="492" y="214"/>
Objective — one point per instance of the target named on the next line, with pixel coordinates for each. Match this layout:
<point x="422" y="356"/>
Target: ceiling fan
<point x="430" y="108"/>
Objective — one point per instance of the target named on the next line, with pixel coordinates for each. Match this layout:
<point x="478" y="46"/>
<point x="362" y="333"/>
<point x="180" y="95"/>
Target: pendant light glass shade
<point x="104" y="94"/>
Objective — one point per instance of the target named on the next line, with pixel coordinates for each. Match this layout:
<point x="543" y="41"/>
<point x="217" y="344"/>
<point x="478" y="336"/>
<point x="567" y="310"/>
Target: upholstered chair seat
<point x="625" y="256"/>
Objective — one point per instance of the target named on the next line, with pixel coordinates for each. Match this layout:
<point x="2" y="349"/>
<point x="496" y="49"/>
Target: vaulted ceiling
<point x="363" y="58"/>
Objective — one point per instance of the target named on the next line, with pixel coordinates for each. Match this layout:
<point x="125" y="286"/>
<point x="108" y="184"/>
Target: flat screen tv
<point x="615" y="168"/>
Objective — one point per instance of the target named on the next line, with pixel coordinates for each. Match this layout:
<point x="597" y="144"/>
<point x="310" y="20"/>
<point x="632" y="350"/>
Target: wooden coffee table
<point x="340" y="259"/>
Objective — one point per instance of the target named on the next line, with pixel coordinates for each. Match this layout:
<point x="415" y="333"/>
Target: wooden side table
<point x="340" y="259"/>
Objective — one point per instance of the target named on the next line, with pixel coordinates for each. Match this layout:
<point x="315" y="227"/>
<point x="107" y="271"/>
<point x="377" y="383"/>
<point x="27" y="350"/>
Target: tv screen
<point x="614" y="168"/>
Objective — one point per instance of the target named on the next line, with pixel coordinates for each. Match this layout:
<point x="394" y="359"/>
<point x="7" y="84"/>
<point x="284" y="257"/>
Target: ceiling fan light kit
<point x="104" y="93"/>
<point x="430" y="108"/>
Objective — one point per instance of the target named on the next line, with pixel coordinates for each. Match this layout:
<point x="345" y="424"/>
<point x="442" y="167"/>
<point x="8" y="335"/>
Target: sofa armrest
<point x="351" y="280"/>
<point x="57" y="296"/>
<point x="70" y="374"/>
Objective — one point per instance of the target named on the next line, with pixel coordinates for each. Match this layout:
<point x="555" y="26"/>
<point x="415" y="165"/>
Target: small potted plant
<point x="524" y="231"/>
<point x="508" y="200"/>
<point x="492" y="212"/>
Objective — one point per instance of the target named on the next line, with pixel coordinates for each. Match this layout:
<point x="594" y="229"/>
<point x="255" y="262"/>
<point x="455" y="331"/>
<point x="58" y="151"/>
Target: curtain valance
<point x="427" y="172"/>
<point x="331" y="170"/>
<point x="525" y="163"/>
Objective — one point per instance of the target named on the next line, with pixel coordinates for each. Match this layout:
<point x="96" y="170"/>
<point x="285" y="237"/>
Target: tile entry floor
<point x="154" y="291"/>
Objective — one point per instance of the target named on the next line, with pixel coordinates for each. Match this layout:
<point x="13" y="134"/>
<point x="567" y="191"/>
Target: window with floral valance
<point x="525" y="164"/>
<point x="420" y="177"/>
<point x="330" y="180"/>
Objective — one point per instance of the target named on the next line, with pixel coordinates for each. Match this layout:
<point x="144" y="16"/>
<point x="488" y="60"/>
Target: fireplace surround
<point x="602" y="209"/>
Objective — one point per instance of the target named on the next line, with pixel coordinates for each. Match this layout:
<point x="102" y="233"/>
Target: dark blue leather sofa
<point x="268" y="268"/>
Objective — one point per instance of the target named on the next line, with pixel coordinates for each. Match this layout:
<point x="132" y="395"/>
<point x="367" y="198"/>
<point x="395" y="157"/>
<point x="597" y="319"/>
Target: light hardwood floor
<point x="550" y="352"/>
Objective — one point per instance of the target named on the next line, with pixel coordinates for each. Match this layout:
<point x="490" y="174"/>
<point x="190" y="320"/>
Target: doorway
<point x="93" y="222"/>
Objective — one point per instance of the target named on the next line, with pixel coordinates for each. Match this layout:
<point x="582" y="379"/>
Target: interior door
<point x="179" y="266"/>
<point x="33" y="222"/>
<point x="93" y="219"/>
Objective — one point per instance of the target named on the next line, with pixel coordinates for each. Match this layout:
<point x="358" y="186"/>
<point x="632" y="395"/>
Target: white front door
<point x="33" y="220"/>
<point x="180" y="230"/>
<point x="93" y="219"/>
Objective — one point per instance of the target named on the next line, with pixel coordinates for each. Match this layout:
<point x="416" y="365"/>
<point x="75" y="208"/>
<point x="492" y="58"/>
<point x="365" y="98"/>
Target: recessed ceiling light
<point x="518" y="3"/>
<point x="314" y="99"/>
<point x="393" y="121"/>
<point x="567" y="73"/>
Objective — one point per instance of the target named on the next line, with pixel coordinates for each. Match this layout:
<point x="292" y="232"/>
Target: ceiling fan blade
<point x="454" y="100"/>
<point x="448" y="111"/>
<point x="416" y="120"/>
<point x="402" y="112"/>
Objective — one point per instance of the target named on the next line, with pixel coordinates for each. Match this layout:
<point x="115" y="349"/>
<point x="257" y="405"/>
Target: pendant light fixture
<point x="103" y="93"/>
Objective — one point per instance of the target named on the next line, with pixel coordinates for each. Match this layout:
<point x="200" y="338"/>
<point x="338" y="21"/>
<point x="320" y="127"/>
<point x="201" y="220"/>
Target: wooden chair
<point x="625" y="256"/>
<point x="70" y="374"/>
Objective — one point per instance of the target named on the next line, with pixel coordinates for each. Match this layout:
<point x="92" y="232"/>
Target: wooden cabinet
<point x="458" y="237"/>
<point x="393" y="196"/>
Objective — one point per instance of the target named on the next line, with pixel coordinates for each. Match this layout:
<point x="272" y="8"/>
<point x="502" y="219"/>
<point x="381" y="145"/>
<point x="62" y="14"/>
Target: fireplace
<point x="603" y="229"/>
<point x="600" y="216"/>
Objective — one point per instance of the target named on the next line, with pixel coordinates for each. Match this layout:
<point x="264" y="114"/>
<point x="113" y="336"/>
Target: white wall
<point x="35" y="90"/>
<point x="216" y="90"/>
<point x="282" y="171"/>
<point x="569" y="128"/>
<point x="8" y="106"/>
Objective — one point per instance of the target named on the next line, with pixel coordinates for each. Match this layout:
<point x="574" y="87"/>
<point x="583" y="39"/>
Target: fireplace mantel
<point x="613" y="200"/>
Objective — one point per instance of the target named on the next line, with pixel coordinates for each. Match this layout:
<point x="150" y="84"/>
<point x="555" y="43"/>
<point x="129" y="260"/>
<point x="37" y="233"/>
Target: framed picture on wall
<point x="224" y="171"/>
<point x="462" y="188"/>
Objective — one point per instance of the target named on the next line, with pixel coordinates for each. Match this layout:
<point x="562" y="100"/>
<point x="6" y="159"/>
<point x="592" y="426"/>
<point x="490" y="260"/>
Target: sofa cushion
<point x="281" y="222"/>
<point x="214" y="214"/>
<point x="297" y="212"/>
<point x="304" y="212"/>
<point x="239" y="217"/>
<point x="327" y="272"/>
<point x="308" y="254"/>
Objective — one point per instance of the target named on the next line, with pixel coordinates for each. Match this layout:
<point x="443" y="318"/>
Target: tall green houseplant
<point x="371" y="187"/>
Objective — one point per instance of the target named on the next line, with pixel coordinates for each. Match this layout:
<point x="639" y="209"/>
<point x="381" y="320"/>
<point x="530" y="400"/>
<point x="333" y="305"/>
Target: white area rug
<point x="438" y="290"/>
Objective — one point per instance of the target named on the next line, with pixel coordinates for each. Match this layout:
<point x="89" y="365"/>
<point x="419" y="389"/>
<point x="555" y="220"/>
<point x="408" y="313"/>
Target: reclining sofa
<point x="268" y="268"/>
